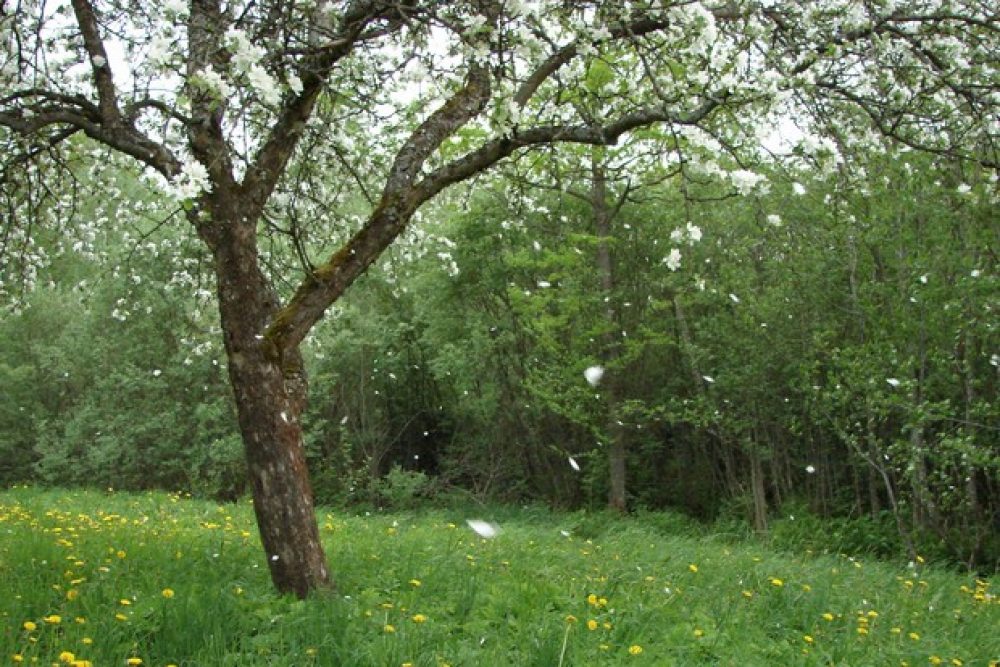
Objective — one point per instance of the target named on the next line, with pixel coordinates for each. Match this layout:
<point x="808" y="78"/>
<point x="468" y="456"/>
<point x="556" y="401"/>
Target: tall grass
<point x="111" y="578"/>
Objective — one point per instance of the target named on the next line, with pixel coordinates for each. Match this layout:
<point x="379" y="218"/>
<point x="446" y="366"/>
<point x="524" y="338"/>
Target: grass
<point x="115" y="579"/>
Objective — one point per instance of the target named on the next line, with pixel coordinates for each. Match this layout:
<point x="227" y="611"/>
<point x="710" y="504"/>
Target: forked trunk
<point x="270" y="393"/>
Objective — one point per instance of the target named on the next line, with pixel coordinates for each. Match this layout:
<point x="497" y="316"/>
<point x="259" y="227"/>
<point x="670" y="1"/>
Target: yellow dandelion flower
<point x="592" y="600"/>
<point x="808" y="639"/>
<point x="602" y="602"/>
<point x="125" y="602"/>
<point x="72" y="594"/>
<point x="895" y="630"/>
<point x="748" y="594"/>
<point x="935" y="660"/>
<point x="66" y="656"/>
<point x="17" y="657"/>
<point x="29" y="626"/>
<point x="415" y="583"/>
<point x="914" y="636"/>
<point x="604" y="647"/>
<point x="388" y="628"/>
<point x="570" y="618"/>
<point x="81" y="663"/>
<point x="167" y="593"/>
<point x="134" y="662"/>
<point x="693" y="567"/>
<point x="634" y="649"/>
<point x="407" y="664"/>
<point x="121" y="554"/>
<point x="872" y="614"/>
<point x="698" y="632"/>
<point x="862" y="631"/>
<point x="957" y="662"/>
<point x="806" y="587"/>
<point x="311" y="651"/>
<point x="52" y="619"/>
<point x="778" y="583"/>
<point x="606" y="625"/>
<point x="86" y="641"/>
<point x="121" y="617"/>
<point x="827" y="616"/>
<point x="591" y="624"/>
<point x="419" y="618"/>
<point x="80" y="620"/>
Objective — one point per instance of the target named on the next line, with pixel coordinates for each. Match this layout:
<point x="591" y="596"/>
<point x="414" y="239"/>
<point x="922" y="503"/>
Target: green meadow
<point x="114" y="579"/>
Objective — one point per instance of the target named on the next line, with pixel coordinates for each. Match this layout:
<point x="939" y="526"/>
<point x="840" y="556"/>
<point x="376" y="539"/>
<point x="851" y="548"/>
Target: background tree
<point x="232" y="107"/>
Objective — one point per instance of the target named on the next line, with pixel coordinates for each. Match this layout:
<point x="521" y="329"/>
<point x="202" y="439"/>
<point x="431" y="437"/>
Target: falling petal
<point x="483" y="528"/>
<point x="708" y="378"/>
<point x="573" y="464"/>
<point x="594" y="375"/>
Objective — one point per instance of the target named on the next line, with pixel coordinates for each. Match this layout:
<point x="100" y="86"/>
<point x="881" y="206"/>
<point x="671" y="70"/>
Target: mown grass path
<point x="89" y="578"/>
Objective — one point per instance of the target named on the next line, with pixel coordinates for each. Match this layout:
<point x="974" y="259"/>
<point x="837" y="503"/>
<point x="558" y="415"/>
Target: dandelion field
<point x="89" y="578"/>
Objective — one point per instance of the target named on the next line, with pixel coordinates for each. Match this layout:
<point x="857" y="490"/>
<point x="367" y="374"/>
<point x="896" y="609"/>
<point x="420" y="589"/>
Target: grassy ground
<point x="116" y="579"/>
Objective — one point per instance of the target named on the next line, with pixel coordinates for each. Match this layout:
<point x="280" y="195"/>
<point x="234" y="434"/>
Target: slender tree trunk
<point x="617" y="452"/>
<point x="759" y="493"/>
<point x="270" y="395"/>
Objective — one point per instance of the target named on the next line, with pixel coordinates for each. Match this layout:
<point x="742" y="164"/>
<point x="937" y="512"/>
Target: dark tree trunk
<point x="270" y="393"/>
<point x="617" y="451"/>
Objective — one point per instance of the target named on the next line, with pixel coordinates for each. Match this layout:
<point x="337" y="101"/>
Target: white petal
<point x="893" y="381"/>
<point x="594" y="375"/>
<point x="573" y="464"/>
<point x="483" y="528"/>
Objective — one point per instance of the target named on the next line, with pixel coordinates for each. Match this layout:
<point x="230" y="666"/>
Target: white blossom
<point x="798" y="189"/>
<point x="573" y="464"/>
<point x="746" y="181"/>
<point x="594" y="375"/>
<point x="191" y="182"/>
<point x="774" y="220"/>
<point x="673" y="260"/>
<point x="893" y="382"/>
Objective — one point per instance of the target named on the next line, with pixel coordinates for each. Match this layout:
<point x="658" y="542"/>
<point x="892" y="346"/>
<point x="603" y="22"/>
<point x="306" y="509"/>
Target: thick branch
<point x="314" y="71"/>
<point x="107" y="97"/>
<point x="332" y="279"/>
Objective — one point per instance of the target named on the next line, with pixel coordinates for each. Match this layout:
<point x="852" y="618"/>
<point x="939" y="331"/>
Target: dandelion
<point x="570" y="618"/>
<point x="808" y="639"/>
<point x="121" y="617"/>
<point x="592" y="600"/>
<point x="167" y="593"/>
<point x="693" y="567"/>
<point x="698" y="632"/>
<point x="591" y="624"/>
<point x="777" y="583"/>
<point x="52" y="619"/>
<point x="415" y="583"/>
<point x="862" y="631"/>
<point x="935" y="660"/>
<point x="66" y="656"/>
<point x="388" y="628"/>
<point x="17" y="657"/>
<point x="914" y="636"/>
<point x="419" y="618"/>
<point x="747" y="594"/>
<point x="827" y="616"/>
<point x="29" y="626"/>
<point x="634" y="649"/>
<point x="134" y="662"/>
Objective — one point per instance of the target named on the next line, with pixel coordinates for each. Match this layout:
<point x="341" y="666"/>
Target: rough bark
<point x="270" y="392"/>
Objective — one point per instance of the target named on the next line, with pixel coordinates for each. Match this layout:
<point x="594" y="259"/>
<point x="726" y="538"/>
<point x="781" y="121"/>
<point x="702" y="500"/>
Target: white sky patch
<point x="594" y="375"/>
<point x="483" y="528"/>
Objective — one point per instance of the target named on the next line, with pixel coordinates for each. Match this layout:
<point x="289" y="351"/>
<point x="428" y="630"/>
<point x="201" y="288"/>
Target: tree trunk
<point x="602" y="227"/>
<point x="759" y="493"/>
<point x="270" y="395"/>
